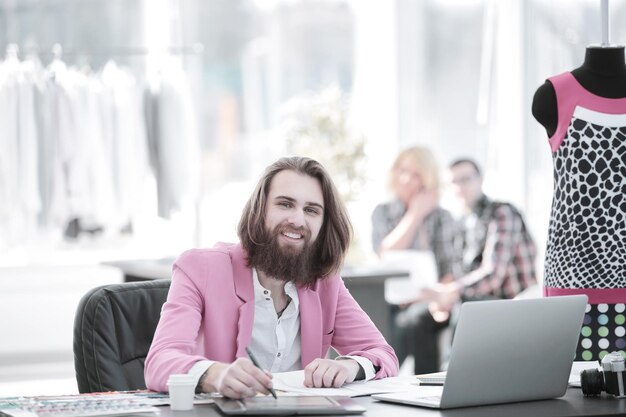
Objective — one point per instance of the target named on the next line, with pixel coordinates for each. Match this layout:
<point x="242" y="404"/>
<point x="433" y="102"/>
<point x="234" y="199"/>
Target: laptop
<point x="289" y="405"/>
<point x="506" y="351"/>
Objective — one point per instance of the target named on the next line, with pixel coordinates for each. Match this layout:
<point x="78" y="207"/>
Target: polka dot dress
<point x="603" y="331"/>
<point x="587" y="232"/>
<point x="586" y="248"/>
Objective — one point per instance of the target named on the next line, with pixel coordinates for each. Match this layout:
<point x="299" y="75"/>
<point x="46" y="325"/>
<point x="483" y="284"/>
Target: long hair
<point x="425" y="164"/>
<point x="335" y="234"/>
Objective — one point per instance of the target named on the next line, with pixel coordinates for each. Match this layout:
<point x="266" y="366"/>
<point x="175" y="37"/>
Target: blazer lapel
<point x="310" y="325"/>
<point x="242" y="278"/>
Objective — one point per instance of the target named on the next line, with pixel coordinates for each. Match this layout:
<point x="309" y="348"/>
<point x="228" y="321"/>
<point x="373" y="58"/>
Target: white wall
<point x="37" y="308"/>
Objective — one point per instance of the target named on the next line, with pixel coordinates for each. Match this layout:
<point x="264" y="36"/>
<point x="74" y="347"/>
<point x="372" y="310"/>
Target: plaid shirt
<point x="436" y="233"/>
<point x="498" y="252"/>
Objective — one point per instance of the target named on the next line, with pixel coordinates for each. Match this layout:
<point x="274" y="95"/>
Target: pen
<point x="253" y="359"/>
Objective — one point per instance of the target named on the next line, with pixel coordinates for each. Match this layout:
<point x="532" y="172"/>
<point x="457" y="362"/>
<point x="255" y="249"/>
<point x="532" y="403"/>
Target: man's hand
<point x="444" y="295"/>
<point x="329" y="373"/>
<point x="432" y="294"/>
<point x="239" y="379"/>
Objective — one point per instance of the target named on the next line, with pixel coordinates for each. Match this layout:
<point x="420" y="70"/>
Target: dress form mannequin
<point x="584" y="115"/>
<point x="603" y="73"/>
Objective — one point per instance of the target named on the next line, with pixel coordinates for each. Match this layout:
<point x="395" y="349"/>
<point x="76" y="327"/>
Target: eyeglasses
<point x="464" y="180"/>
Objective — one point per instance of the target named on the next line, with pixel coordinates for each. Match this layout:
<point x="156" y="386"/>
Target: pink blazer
<point x="209" y="314"/>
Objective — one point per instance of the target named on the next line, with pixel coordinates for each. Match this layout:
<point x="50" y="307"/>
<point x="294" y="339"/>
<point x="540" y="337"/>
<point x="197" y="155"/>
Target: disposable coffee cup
<point x="182" y="388"/>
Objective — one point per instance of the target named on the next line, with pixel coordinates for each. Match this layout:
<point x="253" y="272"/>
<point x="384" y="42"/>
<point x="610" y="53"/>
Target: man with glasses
<point x="498" y="253"/>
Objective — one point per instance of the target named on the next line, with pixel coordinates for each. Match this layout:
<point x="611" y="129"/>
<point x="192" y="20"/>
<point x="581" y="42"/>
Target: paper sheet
<point x="422" y="269"/>
<point x="435" y="378"/>
<point x="577" y="367"/>
<point x="293" y="383"/>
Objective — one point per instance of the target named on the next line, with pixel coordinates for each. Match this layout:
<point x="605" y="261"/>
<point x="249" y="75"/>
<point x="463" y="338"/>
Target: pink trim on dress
<point x="595" y="295"/>
<point x="569" y="95"/>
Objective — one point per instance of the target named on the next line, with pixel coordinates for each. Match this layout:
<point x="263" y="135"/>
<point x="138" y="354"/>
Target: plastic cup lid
<point x="180" y="379"/>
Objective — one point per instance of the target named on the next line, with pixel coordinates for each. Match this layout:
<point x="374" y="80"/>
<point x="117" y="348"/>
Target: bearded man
<point x="277" y="293"/>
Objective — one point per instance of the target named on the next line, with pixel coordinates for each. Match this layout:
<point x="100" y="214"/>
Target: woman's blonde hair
<point x="425" y="164"/>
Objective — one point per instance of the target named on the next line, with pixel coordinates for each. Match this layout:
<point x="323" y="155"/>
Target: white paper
<point x="16" y="412"/>
<point x="577" y="367"/>
<point x="422" y="274"/>
<point x="436" y="378"/>
<point x="293" y="383"/>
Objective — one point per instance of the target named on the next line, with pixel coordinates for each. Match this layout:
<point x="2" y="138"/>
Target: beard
<point x="285" y="263"/>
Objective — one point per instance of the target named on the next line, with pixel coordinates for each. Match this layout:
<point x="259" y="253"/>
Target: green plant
<point x="316" y="126"/>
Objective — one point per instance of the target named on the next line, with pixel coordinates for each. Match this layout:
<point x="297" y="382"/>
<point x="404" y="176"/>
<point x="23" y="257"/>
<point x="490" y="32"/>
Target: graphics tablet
<point x="287" y="405"/>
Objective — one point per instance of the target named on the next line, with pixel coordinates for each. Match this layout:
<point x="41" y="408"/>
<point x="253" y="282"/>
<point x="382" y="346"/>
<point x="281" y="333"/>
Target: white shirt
<point x="275" y="340"/>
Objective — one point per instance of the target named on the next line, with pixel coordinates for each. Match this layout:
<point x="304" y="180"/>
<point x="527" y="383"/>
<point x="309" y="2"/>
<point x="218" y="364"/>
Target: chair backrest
<point x="113" y="331"/>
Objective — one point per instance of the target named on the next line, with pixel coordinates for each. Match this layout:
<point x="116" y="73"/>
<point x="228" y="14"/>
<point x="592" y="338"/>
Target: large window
<point x="455" y="75"/>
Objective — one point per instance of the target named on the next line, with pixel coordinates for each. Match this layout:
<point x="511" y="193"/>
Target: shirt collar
<point x="260" y="291"/>
<point x="481" y="205"/>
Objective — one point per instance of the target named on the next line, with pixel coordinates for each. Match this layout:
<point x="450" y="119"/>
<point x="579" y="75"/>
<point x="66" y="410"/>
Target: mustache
<point x="285" y="228"/>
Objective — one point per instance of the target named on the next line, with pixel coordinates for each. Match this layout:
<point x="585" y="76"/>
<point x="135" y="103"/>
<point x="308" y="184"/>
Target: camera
<point x="612" y="377"/>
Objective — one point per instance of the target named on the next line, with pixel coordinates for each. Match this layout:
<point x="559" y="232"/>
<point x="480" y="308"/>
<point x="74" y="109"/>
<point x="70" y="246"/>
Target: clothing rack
<point x="48" y="213"/>
<point x="57" y="50"/>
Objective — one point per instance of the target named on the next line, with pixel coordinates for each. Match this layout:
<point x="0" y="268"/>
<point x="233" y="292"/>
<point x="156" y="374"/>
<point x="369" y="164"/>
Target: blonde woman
<point x="414" y="220"/>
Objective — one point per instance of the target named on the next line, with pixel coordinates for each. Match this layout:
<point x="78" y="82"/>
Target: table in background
<point x="366" y="284"/>
<point x="573" y="404"/>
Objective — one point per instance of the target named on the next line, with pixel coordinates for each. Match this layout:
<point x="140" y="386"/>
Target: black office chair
<point x="113" y="330"/>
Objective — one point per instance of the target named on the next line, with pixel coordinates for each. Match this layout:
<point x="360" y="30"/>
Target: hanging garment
<point x="30" y="84"/>
<point x="9" y="151"/>
<point x="586" y="250"/>
<point x="125" y="132"/>
<point x="173" y="138"/>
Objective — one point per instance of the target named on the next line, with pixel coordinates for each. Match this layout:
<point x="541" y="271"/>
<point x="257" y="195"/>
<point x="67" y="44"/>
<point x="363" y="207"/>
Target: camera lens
<point x="592" y="382"/>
